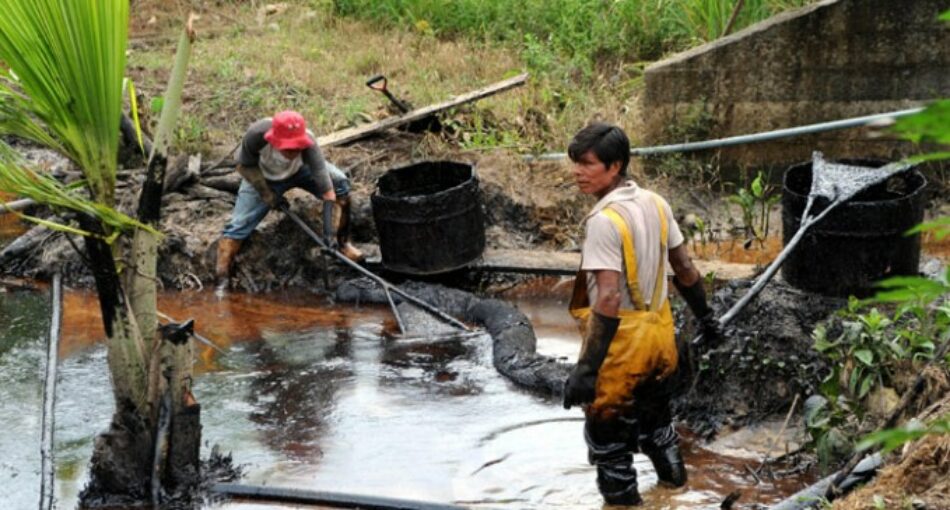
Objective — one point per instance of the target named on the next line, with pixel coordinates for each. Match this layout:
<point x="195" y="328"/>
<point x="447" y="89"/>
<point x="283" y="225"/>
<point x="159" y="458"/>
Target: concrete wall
<point x="828" y="61"/>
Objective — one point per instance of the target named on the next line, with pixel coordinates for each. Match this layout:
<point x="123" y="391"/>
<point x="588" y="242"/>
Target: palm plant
<point x="61" y="84"/>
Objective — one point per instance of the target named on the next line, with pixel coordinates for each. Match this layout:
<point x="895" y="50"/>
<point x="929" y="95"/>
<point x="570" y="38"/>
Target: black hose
<point x="378" y="279"/>
<point x="814" y="495"/>
<point x="331" y="499"/>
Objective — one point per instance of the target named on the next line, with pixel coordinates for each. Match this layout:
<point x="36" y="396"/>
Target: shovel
<point x="379" y="83"/>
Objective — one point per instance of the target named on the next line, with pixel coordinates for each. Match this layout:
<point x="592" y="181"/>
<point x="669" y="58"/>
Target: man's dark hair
<point x="608" y="142"/>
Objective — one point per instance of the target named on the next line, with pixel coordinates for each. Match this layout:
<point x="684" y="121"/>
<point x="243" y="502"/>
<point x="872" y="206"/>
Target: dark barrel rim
<point x="392" y="174"/>
<point x="913" y="174"/>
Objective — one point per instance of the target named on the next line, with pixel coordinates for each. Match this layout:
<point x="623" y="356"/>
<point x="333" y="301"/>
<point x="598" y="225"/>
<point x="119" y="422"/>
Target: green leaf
<point x="940" y="227"/>
<point x="156" y="104"/>
<point x="866" y="384"/>
<point x="68" y="59"/>
<point x="134" y="106"/>
<point x="929" y="125"/>
<point x="865" y="356"/>
<point x="890" y="439"/>
<point x="757" y="186"/>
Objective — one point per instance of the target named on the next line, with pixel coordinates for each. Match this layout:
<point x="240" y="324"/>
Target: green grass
<point x="586" y="60"/>
<point x="582" y="31"/>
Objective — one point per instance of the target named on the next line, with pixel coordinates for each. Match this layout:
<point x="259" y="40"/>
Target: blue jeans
<point x="250" y="209"/>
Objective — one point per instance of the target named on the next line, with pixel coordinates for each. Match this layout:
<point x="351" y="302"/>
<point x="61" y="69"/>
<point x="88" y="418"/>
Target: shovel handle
<point x="377" y="82"/>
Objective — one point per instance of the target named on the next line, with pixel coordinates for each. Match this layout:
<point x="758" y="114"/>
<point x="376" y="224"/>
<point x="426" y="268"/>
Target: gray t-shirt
<point x="255" y="151"/>
<point x="603" y="249"/>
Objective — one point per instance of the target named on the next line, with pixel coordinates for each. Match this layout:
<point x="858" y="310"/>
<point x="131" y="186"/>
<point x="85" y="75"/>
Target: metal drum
<point x="860" y="242"/>
<point x="429" y="217"/>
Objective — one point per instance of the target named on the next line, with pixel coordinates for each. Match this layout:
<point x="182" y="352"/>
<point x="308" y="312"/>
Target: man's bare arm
<point x="608" y="293"/>
<point x="686" y="273"/>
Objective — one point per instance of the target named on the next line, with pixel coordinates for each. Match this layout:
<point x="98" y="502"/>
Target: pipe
<point x="47" y="466"/>
<point x="814" y="495"/>
<point x="751" y="138"/>
<point x="392" y="305"/>
<point x="17" y="205"/>
<point x="386" y="285"/>
<point x="331" y="499"/>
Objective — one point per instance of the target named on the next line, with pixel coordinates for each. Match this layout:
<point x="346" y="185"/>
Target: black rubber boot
<point x="608" y="448"/>
<point x="662" y="447"/>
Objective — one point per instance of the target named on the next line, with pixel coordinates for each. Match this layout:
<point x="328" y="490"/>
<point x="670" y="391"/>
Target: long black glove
<point x="328" y="224"/>
<point x="579" y="386"/>
<point x="695" y="297"/>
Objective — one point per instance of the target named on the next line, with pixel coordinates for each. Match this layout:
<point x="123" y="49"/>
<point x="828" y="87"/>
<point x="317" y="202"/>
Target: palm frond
<point x="18" y="177"/>
<point x="68" y="58"/>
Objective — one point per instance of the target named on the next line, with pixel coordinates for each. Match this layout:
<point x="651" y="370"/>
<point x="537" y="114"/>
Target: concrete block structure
<point x="830" y="60"/>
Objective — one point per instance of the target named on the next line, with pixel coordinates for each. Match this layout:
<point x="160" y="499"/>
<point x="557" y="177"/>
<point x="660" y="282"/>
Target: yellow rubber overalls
<point x="644" y="348"/>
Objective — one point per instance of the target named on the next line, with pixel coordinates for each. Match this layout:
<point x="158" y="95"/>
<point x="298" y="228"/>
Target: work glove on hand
<point x="710" y="329"/>
<point x="275" y="201"/>
<point x="695" y="297"/>
<point x="580" y="383"/>
<point x="328" y="236"/>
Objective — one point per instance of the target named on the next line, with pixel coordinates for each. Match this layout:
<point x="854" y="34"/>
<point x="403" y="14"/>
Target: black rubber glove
<point x="579" y="386"/>
<point x="328" y="225"/>
<point x="275" y="201"/>
<point x="695" y="297"/>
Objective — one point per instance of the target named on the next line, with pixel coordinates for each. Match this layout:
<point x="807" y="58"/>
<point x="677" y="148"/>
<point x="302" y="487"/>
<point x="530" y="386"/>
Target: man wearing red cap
<point x="276" y="155"/>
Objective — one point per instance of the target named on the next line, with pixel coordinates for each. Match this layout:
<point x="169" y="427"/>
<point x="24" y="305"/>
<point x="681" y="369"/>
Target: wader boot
<point x="662" y="447"/>
<point x="227" y="249"/>
<point x="610" y="448"/>
<point x="343" y="231"/>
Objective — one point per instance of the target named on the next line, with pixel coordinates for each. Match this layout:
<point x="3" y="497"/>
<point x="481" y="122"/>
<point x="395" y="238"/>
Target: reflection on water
<point x="324" y="397"/>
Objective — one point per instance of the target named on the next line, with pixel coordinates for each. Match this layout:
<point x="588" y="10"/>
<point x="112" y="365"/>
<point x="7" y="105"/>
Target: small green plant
<point x="756" y="201"/>
<point x="828" y="422"/>
<point x="891" y="439"/>
<point x="869" y="347"/>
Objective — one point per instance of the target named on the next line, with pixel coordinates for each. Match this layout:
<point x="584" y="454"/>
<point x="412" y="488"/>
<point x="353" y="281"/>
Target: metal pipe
<point x="751" y="138"/>
<point x="332" y="499"/>
<point x="389" y="298"/>
<point x="17" y="205"/>
<point x="47" y="466"/>
<point x="378" y="279"/>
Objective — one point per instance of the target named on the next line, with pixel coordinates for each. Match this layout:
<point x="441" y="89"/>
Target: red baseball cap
<point x="288" y="131"/>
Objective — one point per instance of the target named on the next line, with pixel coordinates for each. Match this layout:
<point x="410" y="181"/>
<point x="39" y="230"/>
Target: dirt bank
<point x="524" y="207"/>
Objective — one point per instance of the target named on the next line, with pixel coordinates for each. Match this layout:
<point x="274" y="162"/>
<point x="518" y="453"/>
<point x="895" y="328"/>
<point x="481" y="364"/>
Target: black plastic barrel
<point x="859" y="243"/>
<point x="429" y="217"/>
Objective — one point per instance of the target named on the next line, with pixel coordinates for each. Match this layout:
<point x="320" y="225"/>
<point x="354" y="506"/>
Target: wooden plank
<point x="542" y="262"/>
<point x="355" y="133"/>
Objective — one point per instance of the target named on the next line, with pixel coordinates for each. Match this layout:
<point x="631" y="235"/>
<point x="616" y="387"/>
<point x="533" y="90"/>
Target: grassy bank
<point x="580" y="31"/>
<point x="585" y="57"/>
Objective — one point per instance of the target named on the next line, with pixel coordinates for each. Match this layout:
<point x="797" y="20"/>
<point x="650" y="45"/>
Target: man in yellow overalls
<point x="623" y="373"/>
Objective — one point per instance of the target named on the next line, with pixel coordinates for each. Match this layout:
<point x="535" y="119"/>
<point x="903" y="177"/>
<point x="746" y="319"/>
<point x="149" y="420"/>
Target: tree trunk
<point x="147" y="362"/>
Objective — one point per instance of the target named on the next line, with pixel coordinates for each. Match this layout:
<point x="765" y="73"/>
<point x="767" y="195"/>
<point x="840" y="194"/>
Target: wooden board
<point x="542" y="262"/>
<point x="355" y="133"/>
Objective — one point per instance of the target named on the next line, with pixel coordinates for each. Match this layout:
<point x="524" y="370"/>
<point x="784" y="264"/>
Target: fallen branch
<point x="781" y="431"/>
